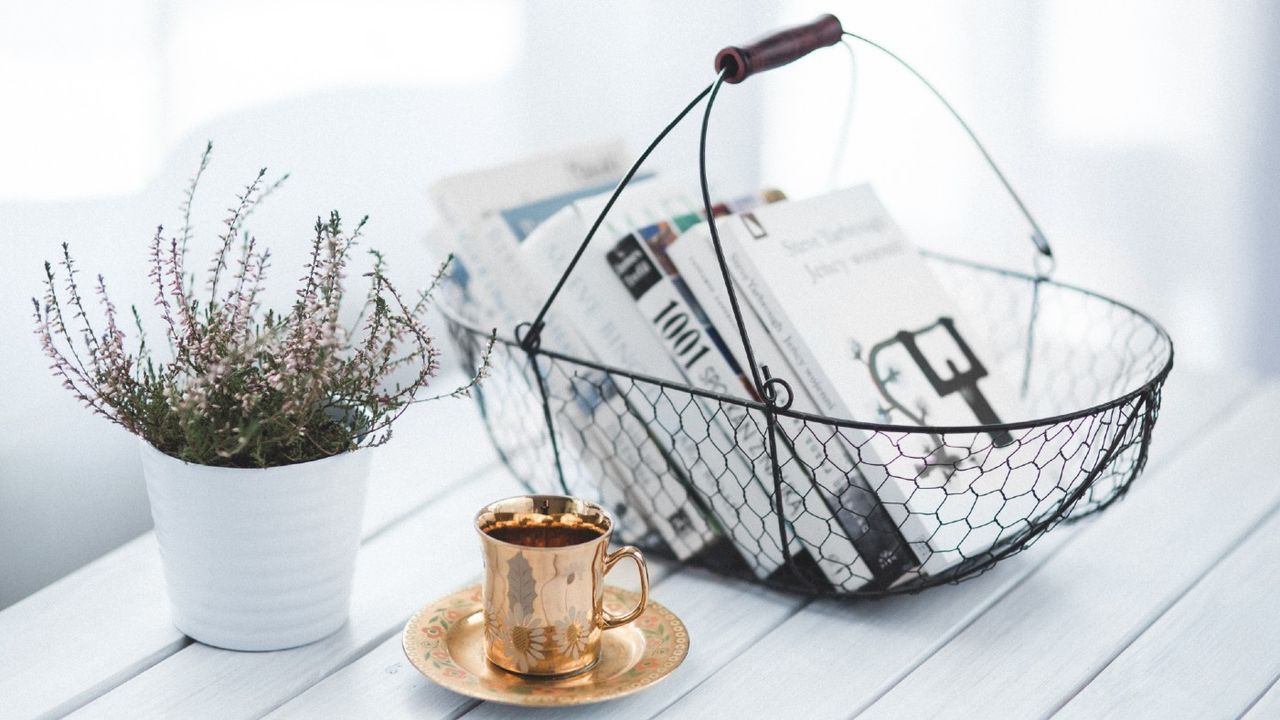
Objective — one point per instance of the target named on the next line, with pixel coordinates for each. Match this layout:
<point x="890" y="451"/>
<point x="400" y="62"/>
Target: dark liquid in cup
<point x="543" y="535"/>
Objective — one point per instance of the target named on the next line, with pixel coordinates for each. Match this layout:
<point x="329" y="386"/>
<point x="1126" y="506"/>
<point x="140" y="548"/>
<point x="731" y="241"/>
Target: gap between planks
<point x="902" y="697"/>
<point x="1237" y="543"/>
<point x="1266" y="704"/>
<point x="1179" y="437"/>
<point x="1055" y="542"/>
<point x="118" y="679"/>
<point x="1067" y="534"/>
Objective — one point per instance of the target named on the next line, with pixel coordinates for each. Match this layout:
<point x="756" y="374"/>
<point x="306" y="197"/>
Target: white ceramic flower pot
<point x="258" y="559"/>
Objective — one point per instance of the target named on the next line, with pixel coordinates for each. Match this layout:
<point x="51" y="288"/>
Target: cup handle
<point x="614" y="557"/>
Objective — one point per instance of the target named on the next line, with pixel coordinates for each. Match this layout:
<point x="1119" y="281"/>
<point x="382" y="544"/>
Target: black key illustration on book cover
<point x="961" y="381"/>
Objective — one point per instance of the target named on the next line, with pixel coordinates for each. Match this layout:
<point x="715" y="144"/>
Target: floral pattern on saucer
<point x="426" y="644"/>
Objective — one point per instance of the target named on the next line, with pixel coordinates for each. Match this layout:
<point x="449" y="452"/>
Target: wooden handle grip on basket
<point x="778" y="49"/>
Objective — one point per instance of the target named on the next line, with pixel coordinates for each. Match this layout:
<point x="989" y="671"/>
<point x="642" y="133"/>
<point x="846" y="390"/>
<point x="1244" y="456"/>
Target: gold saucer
<point x="445" y="642"/>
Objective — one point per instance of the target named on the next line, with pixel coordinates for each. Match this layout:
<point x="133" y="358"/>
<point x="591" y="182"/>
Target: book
<point x="678" y="320"/>
<point x="605" y="312"/>
<point x="862" y="321"/>
<point x="721" y="447"/>
<point x="655" y="481"/>
<point x="859" y="520"/>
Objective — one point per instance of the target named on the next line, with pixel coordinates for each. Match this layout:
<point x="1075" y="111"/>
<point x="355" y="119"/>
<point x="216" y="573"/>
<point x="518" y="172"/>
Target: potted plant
<point x="254" y="426"/>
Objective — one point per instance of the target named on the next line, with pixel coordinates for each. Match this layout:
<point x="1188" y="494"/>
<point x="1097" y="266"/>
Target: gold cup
<point x="545" y="558"/>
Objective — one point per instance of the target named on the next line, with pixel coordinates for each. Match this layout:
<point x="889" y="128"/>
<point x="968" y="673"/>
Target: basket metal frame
<point x="1145" y="398"/>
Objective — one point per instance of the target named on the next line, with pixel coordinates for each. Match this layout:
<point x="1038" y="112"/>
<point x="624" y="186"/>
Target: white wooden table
<point x="1164" y="606"/>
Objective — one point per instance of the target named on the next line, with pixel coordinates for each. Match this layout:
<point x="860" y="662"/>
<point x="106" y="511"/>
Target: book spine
<point x="811" y="519"/>
<point x="862" y="526"/>
<point x="735" y="490"/>
<point x="619" y="331"/>
<point x="657" y="480"/>
<point x="633" y="478"/>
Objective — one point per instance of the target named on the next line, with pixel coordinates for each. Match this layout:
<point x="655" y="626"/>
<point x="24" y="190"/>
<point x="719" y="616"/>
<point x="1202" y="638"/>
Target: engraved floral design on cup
<point x="544" y="584"/>
<point x="572" y="633"/>
<point x="526" y="642"/>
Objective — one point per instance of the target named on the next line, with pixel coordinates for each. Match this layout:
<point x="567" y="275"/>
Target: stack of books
<point x="835" y="300"/>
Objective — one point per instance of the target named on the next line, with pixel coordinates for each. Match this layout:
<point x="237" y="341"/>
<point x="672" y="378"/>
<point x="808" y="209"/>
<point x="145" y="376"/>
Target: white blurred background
<point x="1142" y="134"/>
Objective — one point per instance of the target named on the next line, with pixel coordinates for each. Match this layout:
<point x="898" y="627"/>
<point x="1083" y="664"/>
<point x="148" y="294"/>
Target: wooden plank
<point x="80" y="636"/>
<point x="723" y="617"/>
<point x="42" y="673"/>
<point x="383" y="684"/>
<point x="50" y="664"/>
<point x="1211" y="655"/>
<point x="831" y="655"/>
<point x="854" y="653"/>
<point x="1266" y="707"/>
<point x="1084" y="605"/>
<point x="414" y="559"/>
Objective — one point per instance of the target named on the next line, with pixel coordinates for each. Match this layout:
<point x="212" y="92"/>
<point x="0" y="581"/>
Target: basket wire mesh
<point x="800" y="501"/>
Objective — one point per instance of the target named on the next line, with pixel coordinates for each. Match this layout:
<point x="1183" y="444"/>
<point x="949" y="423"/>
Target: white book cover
<point x="815" y="526"/>
<point x="873" y="334"/>
<point x="655" y="483"/>
<point x="880" y="555"/>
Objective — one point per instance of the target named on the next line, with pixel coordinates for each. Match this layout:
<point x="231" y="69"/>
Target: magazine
<point x="486" y="214"/>
<point x="518" y="195"/>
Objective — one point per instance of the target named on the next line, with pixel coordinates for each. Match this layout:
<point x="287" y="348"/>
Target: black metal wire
<point x="756" y="378"/>
<point x="547" y="417"/>
<point x="1115" y="434"/>
<point x="1099" y="398"/>
<point x="764" y="385"/>
<point x="1037" y="235"/>
<point x="535" y="328"/>
<point x="456" y="320"/>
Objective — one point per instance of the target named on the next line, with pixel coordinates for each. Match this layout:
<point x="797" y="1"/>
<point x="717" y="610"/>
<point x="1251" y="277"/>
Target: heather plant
<point x="239" y="386"/>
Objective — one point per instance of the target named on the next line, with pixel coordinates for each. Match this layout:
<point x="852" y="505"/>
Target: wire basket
<point x="800" y="501"/>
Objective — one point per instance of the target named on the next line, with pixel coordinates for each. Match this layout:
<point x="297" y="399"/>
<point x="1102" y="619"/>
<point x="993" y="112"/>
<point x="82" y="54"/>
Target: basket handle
<point x="1044" y="254"/>
<point x="733" y="65"/>
<point x="780" y="49"/>
<point x="777" y="49"/>
<point x="766" y="53"/>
